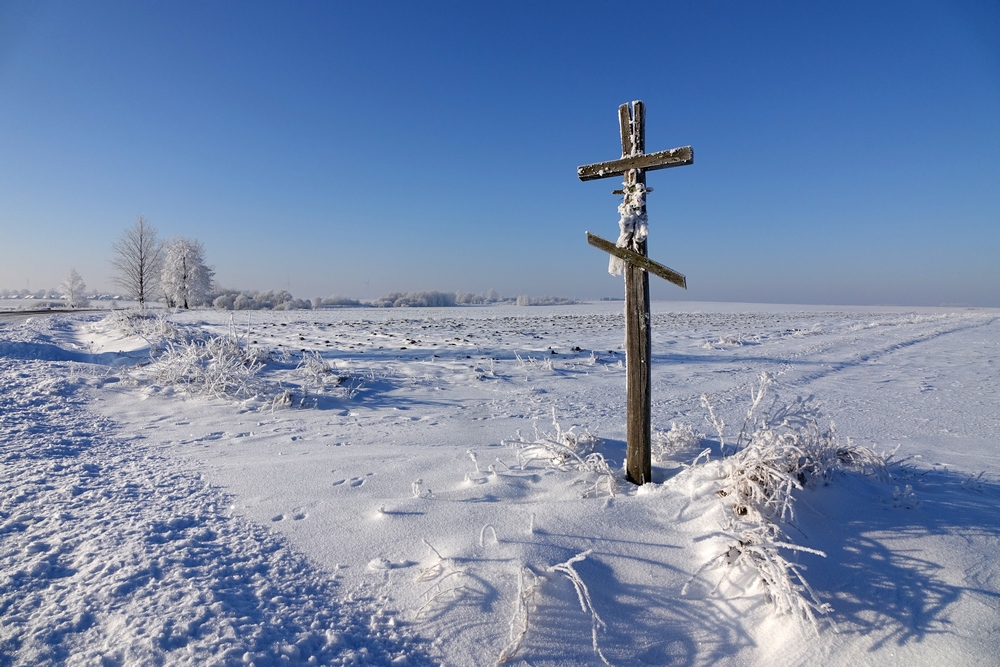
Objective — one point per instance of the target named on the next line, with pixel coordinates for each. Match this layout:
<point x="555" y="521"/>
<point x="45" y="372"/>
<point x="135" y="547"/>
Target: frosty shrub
<point x="680" y="442"/>
<point x="525" y="300"/>
<point x="446" y="299"/>
<point x="153" y="327"/>
<point x="224" y="302"/>
<point x="218" y="366"/>
<point x="565" y="451"/>
<point x="317" y="371"/>
<point x="282" y="399"/>
<point x="244" y="302"/>
<point x="335" y="301"/>
<point x="271" y="299"/>
<point x="294" y="304"/>
<point x="468" y="298"/>
<point x="786" y="451"/>
<point x="416" y="299"/>
<point x="228" y="299"/>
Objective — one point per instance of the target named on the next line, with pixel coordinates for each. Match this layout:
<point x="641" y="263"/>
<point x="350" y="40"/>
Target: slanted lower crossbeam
<point x="636" y="259"/>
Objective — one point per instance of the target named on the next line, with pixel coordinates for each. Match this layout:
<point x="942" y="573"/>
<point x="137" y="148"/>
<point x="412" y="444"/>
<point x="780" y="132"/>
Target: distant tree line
<point x="282" y="300"/>
<point x="446" y="299"/>
<point x="175" y="271"/>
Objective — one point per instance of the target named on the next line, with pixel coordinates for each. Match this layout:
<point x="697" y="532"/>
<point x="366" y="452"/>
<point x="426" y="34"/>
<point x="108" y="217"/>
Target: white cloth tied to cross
<point x="634" y="224"/>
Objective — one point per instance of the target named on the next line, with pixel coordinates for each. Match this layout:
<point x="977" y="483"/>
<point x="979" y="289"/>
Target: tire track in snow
<point x="825" y="353"/>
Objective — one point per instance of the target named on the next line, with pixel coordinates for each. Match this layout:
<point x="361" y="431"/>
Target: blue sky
<point x="845" y="153"/>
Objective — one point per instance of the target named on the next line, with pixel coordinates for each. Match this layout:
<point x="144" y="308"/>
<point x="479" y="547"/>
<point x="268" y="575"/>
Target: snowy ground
<point x="390" y="511"/>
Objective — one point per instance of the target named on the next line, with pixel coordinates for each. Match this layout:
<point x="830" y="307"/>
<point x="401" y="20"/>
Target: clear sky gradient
<point x="845" y="153"/>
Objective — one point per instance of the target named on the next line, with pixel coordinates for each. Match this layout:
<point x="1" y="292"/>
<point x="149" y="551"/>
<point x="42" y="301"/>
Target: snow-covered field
<point x="423" y="486"/>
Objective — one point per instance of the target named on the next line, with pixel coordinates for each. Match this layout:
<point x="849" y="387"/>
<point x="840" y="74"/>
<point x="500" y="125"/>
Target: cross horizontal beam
<point x="636" y="259"/>
<point x="675" y="157"/>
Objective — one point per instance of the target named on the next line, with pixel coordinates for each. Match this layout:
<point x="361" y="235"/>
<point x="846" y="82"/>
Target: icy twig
<point x="715" y="420"/>
<point x="519" y="621"/>
<point x="438" y="594"/>
<point x="482" y="535"/>
<point x="756" y="396"/>
<point x="583" y="595"/>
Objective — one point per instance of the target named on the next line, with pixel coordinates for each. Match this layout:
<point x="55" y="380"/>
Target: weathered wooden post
<point x="629" y="254"/>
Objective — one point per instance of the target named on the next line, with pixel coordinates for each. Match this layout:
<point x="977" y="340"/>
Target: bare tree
<point x="136" y="261"/>
<point x="186" y="280"/>
<point x="73" y="289"/>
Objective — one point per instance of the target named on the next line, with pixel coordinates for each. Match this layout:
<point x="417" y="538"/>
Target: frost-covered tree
<point x="186" y="279"/>
<point x="136" y="260"/>
<point x="73" y="289"/>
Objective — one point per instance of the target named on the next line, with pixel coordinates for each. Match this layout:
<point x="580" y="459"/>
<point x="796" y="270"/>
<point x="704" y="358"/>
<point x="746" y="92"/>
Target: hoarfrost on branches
<point x="73" y="289"/>
<point x="137" y="257"/>
<point x="186" y="280"/>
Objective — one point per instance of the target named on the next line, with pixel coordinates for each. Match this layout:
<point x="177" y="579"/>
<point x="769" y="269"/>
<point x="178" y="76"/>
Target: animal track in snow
<point x="353" y="482"/>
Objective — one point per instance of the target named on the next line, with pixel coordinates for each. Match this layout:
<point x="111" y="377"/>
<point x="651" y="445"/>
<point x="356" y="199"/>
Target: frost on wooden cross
<point x="628" y="254"/>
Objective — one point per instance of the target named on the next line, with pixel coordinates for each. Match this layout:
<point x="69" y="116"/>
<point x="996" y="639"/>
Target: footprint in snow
<point x="353" y="482"/>
<point x="383" y="564"/>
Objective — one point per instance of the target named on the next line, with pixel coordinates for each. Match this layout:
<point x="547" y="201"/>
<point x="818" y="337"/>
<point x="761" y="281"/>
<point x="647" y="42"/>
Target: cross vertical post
<point x="631" y="250"/>
<point x="638" y="351"/>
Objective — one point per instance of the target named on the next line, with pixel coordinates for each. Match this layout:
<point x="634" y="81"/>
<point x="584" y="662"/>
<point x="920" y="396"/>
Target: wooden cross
<point x="631" y="249"/>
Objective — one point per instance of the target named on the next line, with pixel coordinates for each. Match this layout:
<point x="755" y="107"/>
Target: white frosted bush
<point x="679" y="442"/>
<point x="293" y="304"/>
<point x="244" y="302"/>
<point x="153" y="327"/>
<point x="224" y="302"/>
<point x="217" y="367"/>
<point x="566" y="450"/>
<point x="336" y="301"/>
<point x="786" y="451"/>
<point x="431" y="299"/>
<point x="317" y="371"/>
<point x="525" y="300"/>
